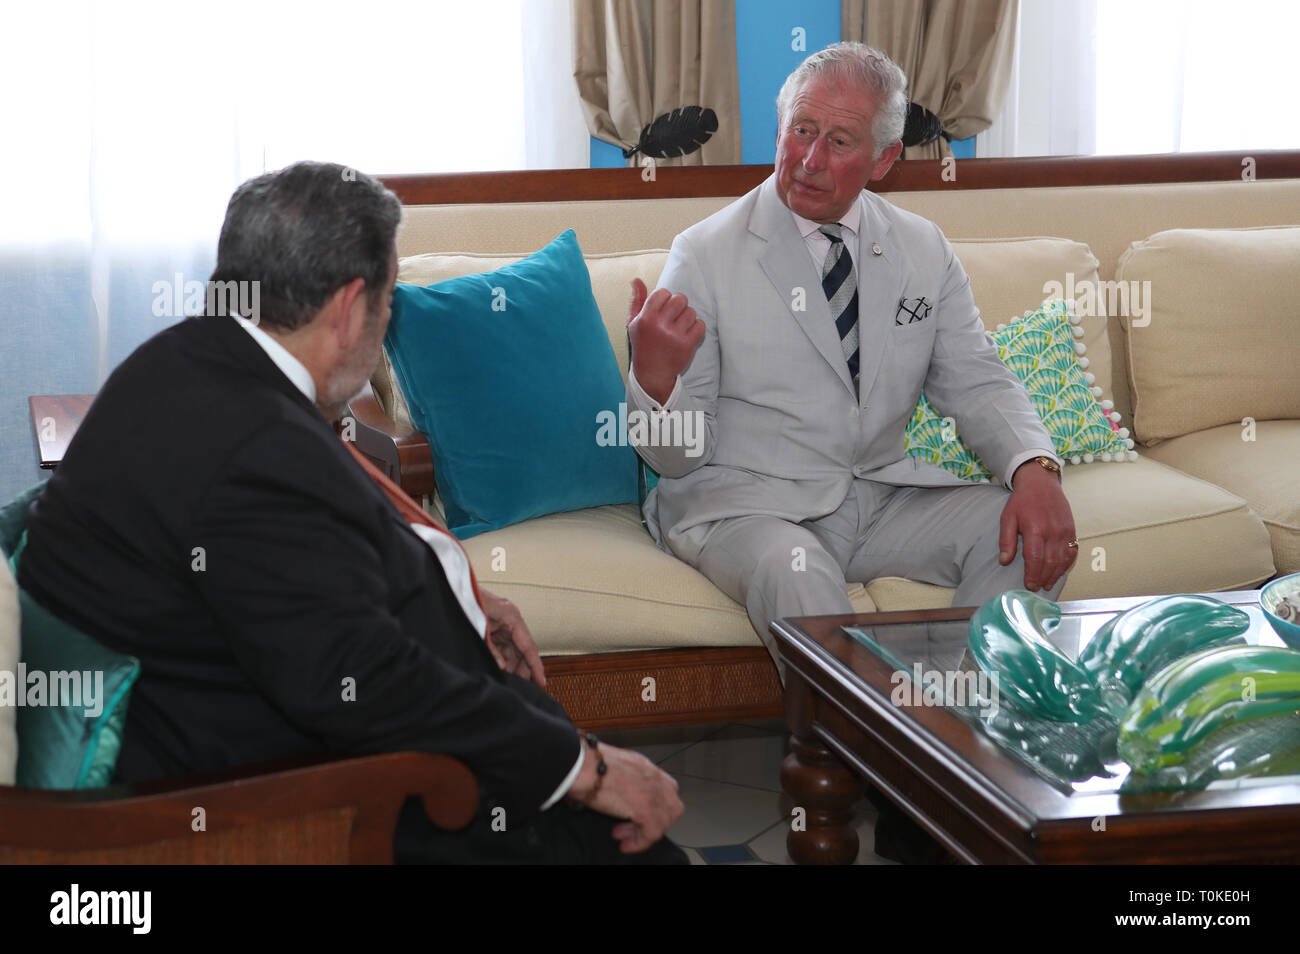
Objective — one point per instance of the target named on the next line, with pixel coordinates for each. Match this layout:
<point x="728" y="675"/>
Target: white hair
<point x="862" y="66"/>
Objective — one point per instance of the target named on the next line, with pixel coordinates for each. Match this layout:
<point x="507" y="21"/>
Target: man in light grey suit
<point x="800" y="325"/>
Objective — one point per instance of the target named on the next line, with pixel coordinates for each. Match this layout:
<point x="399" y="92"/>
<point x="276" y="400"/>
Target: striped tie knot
<point x="834" y="231"/>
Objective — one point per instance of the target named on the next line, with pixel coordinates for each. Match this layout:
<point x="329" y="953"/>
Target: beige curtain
<point x="635" y="60"/>
<point x="957" y="55"/>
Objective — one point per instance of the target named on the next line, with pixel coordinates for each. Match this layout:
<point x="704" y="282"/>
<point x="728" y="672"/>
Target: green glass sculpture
<point x="1007" y="639"/>
<point x="1138" y="643"/>
<point x="1063" y="752"/>
<point x="1186" y="705"/>
<point x="1260" y="747"/>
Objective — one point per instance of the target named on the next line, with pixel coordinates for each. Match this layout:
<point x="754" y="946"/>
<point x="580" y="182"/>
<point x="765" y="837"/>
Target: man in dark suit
<point x="207" y="520"/>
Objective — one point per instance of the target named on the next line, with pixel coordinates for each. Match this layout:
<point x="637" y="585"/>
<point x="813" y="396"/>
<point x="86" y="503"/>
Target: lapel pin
<point x="875" y="248"/>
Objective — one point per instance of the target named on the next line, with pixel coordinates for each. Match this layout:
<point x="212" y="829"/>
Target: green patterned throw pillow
<point x="1044" y="350"/>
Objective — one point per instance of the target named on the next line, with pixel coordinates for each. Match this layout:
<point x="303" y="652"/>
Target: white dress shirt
<point x="450" y="556"/>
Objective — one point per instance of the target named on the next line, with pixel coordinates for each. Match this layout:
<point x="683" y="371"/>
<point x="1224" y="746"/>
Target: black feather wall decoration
<point x="922" y="126"/>
<point x="678" y="133"/>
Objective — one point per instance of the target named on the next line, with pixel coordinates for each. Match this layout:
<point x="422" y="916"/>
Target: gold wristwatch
<point x="1048" y="464"/>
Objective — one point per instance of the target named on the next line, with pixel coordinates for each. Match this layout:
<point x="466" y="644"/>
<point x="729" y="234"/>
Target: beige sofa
<point x="1192" y="513"/>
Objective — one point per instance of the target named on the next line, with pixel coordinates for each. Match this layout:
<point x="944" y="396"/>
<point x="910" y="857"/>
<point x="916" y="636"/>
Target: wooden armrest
<point x="322" y="811"/>
<point x="401" y="452"/>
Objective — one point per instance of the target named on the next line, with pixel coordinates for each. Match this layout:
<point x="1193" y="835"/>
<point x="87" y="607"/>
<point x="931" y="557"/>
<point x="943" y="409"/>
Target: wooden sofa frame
<point x="603" y="690"/>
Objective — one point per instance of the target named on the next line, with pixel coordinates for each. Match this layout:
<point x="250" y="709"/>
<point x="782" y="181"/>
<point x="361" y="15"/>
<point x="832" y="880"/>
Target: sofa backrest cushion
<point x="1010" y="277"/>
<point x="1105" y="218"/>
<point x="1216" y="343"/>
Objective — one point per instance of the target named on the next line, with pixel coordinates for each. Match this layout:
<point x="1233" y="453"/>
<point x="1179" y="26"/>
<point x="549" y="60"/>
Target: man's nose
<point x="815" y="157"/>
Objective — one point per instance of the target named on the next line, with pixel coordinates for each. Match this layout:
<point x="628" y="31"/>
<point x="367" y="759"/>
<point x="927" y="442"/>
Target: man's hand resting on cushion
<point x="1039" y="514"/>
<point x="509" y="640"/>
<point x="663" y="333"/>
<point x="635" y="789"/>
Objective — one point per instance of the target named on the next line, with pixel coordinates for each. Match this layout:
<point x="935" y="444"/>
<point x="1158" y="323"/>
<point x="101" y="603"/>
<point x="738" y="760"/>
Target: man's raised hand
<point x="664" y="333"/>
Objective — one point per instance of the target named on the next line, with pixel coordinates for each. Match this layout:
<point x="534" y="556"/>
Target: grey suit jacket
<point x="784" y="432"/>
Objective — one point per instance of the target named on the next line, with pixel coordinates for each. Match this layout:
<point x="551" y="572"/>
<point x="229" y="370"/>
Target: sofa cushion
<point x="1010" y="276"/>
<point x="594" y="581"/>
<point x="508" y="373"/>
<point x="1041" y="349"/>
<point x="1144" y="529"/>
<point x="1256" y="463"/>
<point x="1224" y="312"/>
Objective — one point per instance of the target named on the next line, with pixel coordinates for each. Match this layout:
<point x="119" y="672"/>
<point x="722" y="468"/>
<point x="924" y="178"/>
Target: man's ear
<point x="886" y="161"/>
<point x="350" y="313"/>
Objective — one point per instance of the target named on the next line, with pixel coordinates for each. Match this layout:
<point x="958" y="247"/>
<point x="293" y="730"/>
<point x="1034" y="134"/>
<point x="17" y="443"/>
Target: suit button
<point x="859" y="470"/>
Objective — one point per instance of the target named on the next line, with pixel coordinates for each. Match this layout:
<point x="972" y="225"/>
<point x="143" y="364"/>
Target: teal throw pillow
<point x="511" y="376"/>
<point x="75" y="691"/>
<point x="1043" y="349"/>
<point x="70" y="692"/>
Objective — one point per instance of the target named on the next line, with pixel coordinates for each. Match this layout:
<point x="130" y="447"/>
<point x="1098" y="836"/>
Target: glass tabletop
<point x="933" y="666"/>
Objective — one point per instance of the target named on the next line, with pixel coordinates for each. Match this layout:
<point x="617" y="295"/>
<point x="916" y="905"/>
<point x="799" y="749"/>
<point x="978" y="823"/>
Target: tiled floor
<point x="729" y="781"/>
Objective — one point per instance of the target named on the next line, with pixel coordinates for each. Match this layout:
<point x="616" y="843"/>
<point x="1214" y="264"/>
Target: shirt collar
<point x="292" y="368"/>
<point x="851" y="221"/>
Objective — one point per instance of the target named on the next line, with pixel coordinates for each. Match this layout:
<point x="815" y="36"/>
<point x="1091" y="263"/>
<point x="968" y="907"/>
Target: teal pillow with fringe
<point x="1043" y="349"/>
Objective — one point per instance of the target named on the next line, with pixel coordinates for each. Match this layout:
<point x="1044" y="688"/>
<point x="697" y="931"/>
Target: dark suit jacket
<point x="207" y="520"/>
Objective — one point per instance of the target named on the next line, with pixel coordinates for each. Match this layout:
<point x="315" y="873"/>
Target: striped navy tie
<point x="840" y="284"/>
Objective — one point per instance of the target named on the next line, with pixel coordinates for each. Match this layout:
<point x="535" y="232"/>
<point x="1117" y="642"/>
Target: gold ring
<point x="1073" y="544"/>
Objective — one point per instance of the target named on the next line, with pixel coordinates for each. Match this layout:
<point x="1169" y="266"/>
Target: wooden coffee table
<point x="980" y="801"/>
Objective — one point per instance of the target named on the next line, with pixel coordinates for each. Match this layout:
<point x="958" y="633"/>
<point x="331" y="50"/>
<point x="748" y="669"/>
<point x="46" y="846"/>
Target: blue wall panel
<point x="766" y="36"/>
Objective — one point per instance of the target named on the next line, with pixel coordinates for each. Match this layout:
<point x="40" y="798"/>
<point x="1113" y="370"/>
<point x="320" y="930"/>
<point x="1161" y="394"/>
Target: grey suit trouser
<point x="775" y="568"/>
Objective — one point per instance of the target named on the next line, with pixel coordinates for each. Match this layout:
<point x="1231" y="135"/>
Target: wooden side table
<point x="55" y="418"/>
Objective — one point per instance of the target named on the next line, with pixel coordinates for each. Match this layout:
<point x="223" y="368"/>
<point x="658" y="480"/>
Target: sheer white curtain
<point x="1196" y="75"/>
<point x="1051" y="106"/>
<point x="128" y="124"/>
<point x="1118" y="77"/>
